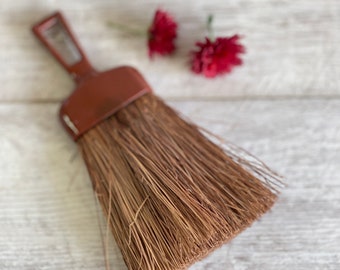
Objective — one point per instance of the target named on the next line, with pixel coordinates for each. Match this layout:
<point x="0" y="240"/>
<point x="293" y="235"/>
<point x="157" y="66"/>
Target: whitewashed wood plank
<point x="292" y="46"/>
<point x="48" y="217"/>
<point x="39" y="180"/>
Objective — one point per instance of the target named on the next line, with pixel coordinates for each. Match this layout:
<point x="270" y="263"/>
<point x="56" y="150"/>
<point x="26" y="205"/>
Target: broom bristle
<point x="170" y="193"/>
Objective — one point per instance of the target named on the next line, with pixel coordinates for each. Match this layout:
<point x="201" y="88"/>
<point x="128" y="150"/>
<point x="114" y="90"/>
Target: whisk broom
<point x="170" y="193"/>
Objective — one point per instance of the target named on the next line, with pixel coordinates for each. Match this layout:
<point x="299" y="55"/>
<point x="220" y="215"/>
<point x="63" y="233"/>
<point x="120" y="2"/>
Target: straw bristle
<point x="170" y="193"/>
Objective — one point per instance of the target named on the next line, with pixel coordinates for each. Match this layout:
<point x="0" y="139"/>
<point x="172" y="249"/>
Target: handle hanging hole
<point x="57" y="36"/>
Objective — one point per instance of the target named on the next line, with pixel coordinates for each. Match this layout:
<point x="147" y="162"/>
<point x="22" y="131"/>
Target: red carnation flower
<point x="217" y="57"/>
<point x="161" y="34"/>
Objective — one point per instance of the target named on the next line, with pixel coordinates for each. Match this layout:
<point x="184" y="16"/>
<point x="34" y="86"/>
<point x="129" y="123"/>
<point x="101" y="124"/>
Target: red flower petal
<point x="217" y="57"/>
<point x="161" y="34"/>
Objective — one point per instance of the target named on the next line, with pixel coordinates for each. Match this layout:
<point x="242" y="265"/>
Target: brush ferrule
<point x="99" y="97"/>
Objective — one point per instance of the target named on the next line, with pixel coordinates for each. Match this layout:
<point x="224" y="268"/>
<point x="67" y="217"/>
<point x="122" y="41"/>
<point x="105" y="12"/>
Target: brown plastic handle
<point x="54" y="33"/>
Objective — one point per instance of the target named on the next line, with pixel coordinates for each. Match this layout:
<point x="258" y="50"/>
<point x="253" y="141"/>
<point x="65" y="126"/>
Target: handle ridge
<point x="57" y="36"/>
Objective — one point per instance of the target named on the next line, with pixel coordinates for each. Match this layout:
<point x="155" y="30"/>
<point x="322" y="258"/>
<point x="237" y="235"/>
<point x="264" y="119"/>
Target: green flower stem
<point x="210" y="30"/>
<point x="127" y="29"/>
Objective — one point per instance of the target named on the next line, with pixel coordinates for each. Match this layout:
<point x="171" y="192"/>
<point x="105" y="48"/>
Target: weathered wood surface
<point x="48" y="215"/>
<point x="283" y="105"/>
<point x="292" y="46"/>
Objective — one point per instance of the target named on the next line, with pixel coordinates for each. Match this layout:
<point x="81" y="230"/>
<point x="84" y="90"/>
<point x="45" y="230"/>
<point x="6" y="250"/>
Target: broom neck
<point x="58" y="38"/>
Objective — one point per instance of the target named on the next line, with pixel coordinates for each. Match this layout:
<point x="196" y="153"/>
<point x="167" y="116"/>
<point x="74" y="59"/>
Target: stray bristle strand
<point x="170" y="193"/>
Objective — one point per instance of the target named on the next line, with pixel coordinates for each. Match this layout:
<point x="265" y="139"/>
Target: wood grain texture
<point x="48" y="215"/>
<point x="282" y="105"/>
<point x="292" y="46"/>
